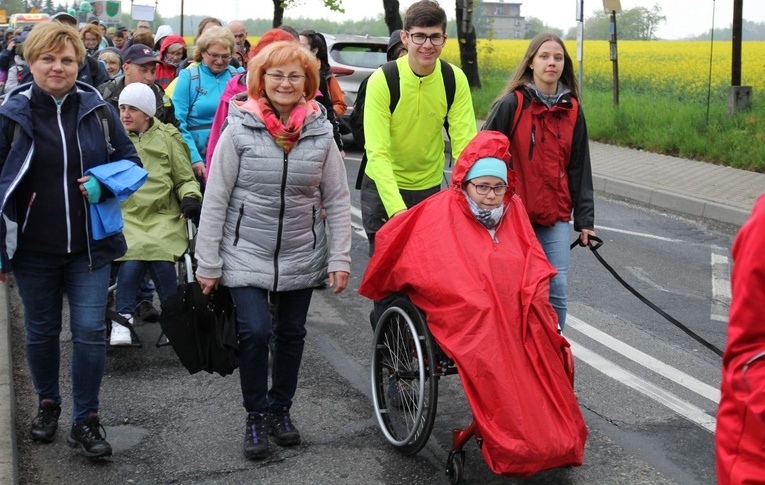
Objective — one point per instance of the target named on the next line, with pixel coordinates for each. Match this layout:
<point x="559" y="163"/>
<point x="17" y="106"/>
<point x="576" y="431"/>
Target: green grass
<point x="663" y="124"/>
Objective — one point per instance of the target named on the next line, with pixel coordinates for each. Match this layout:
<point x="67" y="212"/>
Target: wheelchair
<point x="406" y="367"/>
<point x="184" y="270"/>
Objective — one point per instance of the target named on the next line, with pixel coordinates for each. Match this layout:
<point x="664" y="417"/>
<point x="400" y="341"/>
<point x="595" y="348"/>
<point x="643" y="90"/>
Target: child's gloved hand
<point x="190" y="209"/>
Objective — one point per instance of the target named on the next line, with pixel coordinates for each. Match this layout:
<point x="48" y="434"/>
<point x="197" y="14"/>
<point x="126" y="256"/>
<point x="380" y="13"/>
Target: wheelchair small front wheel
<point x="455" y="466"/>
<point x="404" y="387"/>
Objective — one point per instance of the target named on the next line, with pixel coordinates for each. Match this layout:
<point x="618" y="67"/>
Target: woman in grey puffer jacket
<point x="275" y="167"/>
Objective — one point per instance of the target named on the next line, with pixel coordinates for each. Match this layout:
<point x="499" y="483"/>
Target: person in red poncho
<point x="740" y="435"/>
<point x="468" y="258"/>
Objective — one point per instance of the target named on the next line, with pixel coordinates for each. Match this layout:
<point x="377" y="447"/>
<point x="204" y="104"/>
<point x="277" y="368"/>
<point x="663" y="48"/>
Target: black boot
<point x="44" y="426"/>
<point x="284" y="432"/>
<point x="255" y="445"/>
<point x="86" y="435"/>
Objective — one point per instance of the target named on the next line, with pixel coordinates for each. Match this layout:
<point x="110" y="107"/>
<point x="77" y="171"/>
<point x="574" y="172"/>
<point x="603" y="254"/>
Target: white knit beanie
<point x="140" y="96"/>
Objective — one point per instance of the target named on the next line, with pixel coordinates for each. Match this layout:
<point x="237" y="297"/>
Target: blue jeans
<point x="42" y="280"/>
<point x="255" y="329"/>
<point x="556" y="243"/>
<point x="131" y="277"/>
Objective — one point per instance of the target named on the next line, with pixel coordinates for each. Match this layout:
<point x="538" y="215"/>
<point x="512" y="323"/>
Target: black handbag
<point x="202" y="329"/>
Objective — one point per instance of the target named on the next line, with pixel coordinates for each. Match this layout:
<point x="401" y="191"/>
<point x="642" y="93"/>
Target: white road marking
<point x="693" y="413"/>
<point x="639" y="357"/>
<point x="639" y="234"/>
<point x="720" y="285"/>
<point x="642" y="276"/>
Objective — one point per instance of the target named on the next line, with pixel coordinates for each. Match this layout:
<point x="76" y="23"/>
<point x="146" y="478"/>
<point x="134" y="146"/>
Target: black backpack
<point x="390" y="69"/>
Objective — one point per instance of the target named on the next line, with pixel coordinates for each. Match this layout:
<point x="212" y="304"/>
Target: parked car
<point x="352" y="58"/>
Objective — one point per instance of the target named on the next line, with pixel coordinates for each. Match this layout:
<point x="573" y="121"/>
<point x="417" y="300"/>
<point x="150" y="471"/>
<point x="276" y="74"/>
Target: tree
<point x="280" y="5"/>
<point x="535" y="26"/>
<point x="48" y="7"/>
<point x="467" y="39"/>
<point x="392" y="15"/>
<point x="13" y="6"/>
<point x="637" y="23"/>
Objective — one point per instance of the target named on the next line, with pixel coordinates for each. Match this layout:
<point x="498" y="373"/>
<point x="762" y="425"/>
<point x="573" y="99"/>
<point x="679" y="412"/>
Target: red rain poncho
<point x="740" y="432"/>
<point x="486" y="304"/>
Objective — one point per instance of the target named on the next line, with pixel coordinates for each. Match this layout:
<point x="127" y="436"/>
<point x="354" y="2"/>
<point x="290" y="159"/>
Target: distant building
<point x="505" y="19"/>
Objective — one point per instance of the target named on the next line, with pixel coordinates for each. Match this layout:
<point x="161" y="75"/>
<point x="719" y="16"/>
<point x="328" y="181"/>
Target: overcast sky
<point x="684" y="17"/>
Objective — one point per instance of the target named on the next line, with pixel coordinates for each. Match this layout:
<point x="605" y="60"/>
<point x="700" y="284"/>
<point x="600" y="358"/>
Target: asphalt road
<point x="647" y="391"/>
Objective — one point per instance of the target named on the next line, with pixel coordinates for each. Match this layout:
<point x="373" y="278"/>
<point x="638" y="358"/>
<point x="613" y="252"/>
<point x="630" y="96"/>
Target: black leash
<point x="594" y="248"/>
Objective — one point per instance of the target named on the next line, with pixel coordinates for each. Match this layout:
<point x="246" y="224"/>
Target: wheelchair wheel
<point x="404" y="387"/>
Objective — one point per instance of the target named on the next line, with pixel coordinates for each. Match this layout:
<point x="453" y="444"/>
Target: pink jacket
<point x="235" y="85"/>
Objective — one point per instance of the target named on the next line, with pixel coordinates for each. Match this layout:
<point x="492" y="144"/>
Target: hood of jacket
<point x="170" y="40"/>
<point x="485" y="144"/>
<point x="162" y="32"/>
<point x="234" y="86"/>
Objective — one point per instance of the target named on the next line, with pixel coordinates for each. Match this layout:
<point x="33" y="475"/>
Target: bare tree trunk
<point x="392" y="15"/>
<point x="278" y="13"/>
<point x="467" y="39"/>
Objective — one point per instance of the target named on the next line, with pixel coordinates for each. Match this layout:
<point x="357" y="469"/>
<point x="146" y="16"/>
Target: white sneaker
<point x="120" y="333"/>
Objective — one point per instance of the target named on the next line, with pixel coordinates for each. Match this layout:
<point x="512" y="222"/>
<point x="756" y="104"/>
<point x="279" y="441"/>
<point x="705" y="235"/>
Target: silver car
<point x="352" y="58"/>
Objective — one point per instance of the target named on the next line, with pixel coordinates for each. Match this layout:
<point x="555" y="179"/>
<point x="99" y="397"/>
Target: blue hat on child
<point x="488" y="166"/>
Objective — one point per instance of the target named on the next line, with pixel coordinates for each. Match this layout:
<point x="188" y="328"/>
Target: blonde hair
<point x="213" y="36"/>
<point x="53" y="37"/>
<point x="278" y="54"/>
<point x="110" y="56"/>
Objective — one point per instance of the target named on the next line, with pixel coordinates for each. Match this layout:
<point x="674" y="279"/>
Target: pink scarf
<point x="284" y="136"/>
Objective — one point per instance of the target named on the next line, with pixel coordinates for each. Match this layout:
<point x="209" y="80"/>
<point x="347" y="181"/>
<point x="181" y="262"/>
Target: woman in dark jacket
<point x="330" y="95"/>
<point x="540" y="113"/>
<point x="51" y="133"/>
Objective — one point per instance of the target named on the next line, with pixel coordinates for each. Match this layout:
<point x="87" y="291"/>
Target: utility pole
<point x="739" y="97"/>
<point x="580" y="43"/>
<point x="613" y="7"/>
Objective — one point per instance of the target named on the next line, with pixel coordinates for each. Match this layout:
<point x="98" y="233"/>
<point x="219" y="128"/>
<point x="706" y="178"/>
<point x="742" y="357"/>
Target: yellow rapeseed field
<point x="676" y="68"/>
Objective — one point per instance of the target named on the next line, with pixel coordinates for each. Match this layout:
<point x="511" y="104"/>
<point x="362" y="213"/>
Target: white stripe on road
<point x="358" y="228"/>
<point x="650" y="363"/>
<point x="687" y="410"/>
<point x="720" y="285"/>
<point x="639" y="234"/>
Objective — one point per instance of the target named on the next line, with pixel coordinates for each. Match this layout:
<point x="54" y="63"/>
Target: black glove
<point x="191" y="208"/>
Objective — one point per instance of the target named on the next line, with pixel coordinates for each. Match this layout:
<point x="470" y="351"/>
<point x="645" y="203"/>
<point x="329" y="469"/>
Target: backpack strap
<point x="520" y="101"/>
<point x="14" y="130"/>
<point x="105" y="120"/>
<point x="390" y="69"/>
<point x="450" y="84"/>
<point x="196" y="91"/>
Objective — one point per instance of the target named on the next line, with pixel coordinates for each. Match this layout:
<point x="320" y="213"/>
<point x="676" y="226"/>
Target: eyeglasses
<point x="179" y="52"/>
<point x="482" y="189"/>
<point x="240" y="36"/>
<point x="420" y="38"/>
<point x="215" y="57"/>
<point x="293" y="79"/>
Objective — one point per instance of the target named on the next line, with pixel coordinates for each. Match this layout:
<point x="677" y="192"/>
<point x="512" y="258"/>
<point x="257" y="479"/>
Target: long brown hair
<point x="523" y="73"/>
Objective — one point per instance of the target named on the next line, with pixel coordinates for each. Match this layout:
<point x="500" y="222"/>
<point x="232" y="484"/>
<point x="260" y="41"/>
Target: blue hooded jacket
<point x="16" y="160"/>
